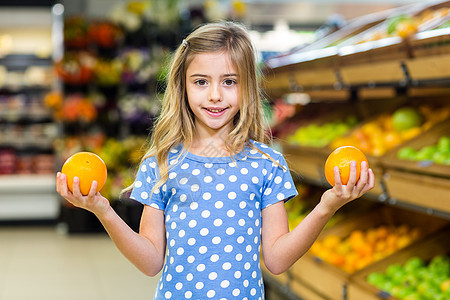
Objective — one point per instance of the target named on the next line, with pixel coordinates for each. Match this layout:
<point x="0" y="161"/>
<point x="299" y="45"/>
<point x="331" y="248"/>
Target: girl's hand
<point x="93" y="202"/>
<point x="341" y="194"/>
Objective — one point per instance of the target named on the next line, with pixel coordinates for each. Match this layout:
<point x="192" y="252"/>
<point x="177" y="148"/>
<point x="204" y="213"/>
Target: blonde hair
<point x="175" y="123"/>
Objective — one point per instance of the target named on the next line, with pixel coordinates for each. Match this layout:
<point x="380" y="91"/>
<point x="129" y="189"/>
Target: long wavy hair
<point x="175" y="123"/>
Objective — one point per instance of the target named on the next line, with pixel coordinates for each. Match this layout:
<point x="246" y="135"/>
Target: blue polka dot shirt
<point x="212" y="209"/>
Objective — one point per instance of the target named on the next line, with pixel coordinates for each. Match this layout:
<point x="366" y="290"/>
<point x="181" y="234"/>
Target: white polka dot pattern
<point x="213" y="220"/>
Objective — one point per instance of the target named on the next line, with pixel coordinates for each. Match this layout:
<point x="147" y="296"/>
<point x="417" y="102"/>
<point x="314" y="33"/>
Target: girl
<point x="213" y="191"/>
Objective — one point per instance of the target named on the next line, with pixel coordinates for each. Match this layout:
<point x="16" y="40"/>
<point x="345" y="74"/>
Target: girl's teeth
<point x="215" y="110"/>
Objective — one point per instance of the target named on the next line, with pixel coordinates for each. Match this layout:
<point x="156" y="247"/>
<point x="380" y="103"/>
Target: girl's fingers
<point x="362" y="182"/>
<point x="337" y="176"/>
<point x="61" y="184"/>
<point x="352" y="178"/>
<point x="371" y="181"/>
<point x="58" y="179"/>
<point x="93" y="189"/>
<point x="76" y="187"/>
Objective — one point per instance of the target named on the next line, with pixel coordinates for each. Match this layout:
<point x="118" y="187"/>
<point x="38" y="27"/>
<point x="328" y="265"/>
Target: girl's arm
<point x="281" y="248"/>
<point x="145" y="250"/>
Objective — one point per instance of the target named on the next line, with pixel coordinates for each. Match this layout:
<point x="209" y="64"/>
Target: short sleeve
<point x="146" y="179"/>
<point x="279" y="185"/>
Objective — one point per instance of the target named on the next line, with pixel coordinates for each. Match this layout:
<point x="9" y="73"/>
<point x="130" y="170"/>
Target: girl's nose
<point x="214" y="93"/>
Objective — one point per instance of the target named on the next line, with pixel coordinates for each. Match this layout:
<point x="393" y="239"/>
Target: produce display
<point x="384" y="130"/>
<point x="404" y="25"/>
<point x="363" y="247"/>
<point x="320" y="135"/>
<point x="76" y="32"/>
<point x="387" y="131"/>
<point x="438" y="153"/>
<point x="105" y="34"/>
<point x="137" y="67"/>
<point x="107" y="71"/>
<point x="416" y="280"/>
<point x="76" y="67"/>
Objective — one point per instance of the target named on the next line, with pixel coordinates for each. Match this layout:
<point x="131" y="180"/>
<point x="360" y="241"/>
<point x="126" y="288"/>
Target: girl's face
<point x="212" y="87"/>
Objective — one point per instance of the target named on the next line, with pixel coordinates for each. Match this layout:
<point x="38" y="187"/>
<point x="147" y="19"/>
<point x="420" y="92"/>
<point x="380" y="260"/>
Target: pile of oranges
<point x="362" y="248"/>
<point x="378" y="136"/>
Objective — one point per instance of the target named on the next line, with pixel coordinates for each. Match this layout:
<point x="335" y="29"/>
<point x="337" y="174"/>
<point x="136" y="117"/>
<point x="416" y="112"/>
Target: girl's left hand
<point x="93" y="202"/>
<point x="341" y="194"/>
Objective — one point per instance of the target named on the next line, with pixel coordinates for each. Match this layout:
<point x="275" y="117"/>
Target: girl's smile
<point x="215" y="111"/>
<point x="213" y="92"/>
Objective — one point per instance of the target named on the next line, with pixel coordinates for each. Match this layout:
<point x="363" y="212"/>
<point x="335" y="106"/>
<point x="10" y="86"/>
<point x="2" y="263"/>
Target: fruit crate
<point x="434" y="111"/>
<point x="371" y="110"/>
<point x="305" y="291"/>
<point x="332" y="281"/>
<point x="430" y="54"/>
<point x="432" y="38"/>
<point x="431" y="42"/>
<point x="387" y="71"/>
<point x="375" y="45"/>
<point x="314" y="65"/>
<point x="422" y="183"/>
<point x="429" y="67"/>
<point x="358" y="287"/>
<point x="305" y="153"/>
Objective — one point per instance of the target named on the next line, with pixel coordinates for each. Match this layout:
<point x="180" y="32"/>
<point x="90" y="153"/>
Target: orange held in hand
<point x="88" y="167"/>
<point x="342" y="157"/>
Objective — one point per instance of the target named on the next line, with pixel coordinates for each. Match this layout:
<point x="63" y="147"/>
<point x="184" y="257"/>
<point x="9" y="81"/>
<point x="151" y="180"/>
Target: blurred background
<point x="88" y="75"/>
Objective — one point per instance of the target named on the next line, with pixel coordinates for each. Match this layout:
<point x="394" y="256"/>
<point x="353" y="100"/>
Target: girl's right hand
<point x="93" y="202"/>
<point x="341" y="194"/>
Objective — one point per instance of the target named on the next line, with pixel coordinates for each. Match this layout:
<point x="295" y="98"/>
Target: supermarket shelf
<point x="28" y="197"/>
<point x="20" y="62"/>
<point x="421" y="60"/>
<point x="341" y="67"/>
<point x="37" y="183"/>
<point x="418" y="208"/>
<point x="383" y="198"/>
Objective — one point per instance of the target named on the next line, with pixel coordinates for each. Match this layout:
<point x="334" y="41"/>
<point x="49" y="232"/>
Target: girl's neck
<point x="210" y="147"/>
<point x="209" y="142"/>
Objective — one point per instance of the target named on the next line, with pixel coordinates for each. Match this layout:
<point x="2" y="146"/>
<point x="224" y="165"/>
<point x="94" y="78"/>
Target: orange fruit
<point x="87" y="166"/>
<point x="342" y="157"/>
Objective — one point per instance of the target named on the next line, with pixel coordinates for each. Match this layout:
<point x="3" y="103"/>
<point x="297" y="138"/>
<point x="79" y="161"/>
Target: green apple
<point x="440" y="297"/>
<point x="413" y="264"/>
<point x="408" y="153"/>
<point x="393" y="269"/>
<point x="440" y="266"/>
<point x="427" y="287"/>
<point x="443" y="144"/>
<point x="376" y="279"/>
<point x="405" y="118"/>
<point x="387" y="286"/>
<point x="395" y="291"/>
<point x="414" y="296"/>
<point x="426" y="153"/>
<point x="404" y="292"/>
<point x="411" y="280"/>
<point x="398" y="276"/>
<point x="440" y="158"/>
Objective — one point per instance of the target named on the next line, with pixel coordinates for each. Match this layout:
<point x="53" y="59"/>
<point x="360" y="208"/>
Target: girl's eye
<point x="229" y="82"/>
<point x="200" y="82"/>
